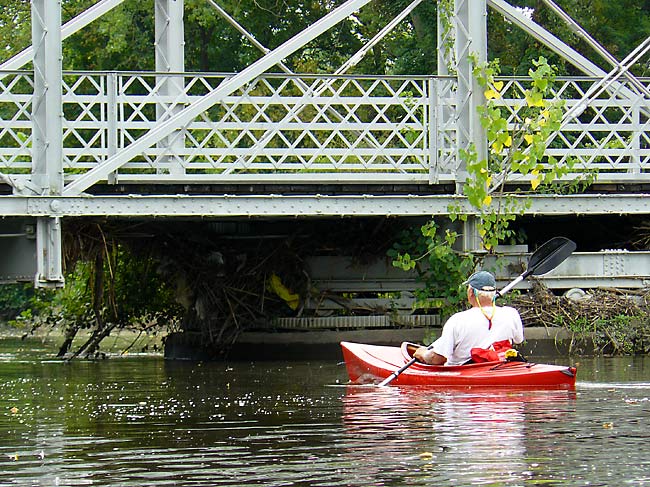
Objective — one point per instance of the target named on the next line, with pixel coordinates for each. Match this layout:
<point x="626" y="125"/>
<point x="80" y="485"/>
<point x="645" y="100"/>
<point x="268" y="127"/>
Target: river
<point x="144" y="421"/>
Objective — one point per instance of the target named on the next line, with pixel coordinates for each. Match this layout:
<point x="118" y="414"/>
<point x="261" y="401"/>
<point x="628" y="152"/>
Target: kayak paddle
<point x="544" y="259"/>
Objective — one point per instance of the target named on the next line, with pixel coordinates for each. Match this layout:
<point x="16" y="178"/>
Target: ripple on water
<point x="136" y="422"/>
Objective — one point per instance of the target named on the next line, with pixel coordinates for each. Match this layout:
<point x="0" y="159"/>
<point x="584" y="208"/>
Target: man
<point x="478" y="327"/>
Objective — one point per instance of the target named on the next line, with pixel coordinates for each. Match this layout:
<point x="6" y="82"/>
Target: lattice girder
<point x="385" y="127"/>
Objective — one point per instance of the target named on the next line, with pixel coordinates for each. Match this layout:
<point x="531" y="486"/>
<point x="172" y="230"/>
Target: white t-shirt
<point x="469" y="329"/>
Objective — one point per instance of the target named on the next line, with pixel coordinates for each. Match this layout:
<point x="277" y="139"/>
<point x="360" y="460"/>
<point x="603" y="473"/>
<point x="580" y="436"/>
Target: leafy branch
<point x="517" y="143"/>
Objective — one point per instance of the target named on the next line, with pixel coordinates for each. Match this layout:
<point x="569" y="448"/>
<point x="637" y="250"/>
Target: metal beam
<point x="47" y="116"/>
<point x="49" y="261"/>
<point x="470" y="18"/>
<point x="596" y="46"/>
<point x="170" y="58"/>
<point x="229" y="85"/>
<point x="70" y="27"/>
<point x="47" y="102"/>
<point x="273" y="205"/>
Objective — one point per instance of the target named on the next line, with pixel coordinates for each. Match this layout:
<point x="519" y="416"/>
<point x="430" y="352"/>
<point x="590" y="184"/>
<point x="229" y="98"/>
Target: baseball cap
<point x="482" y="281"/>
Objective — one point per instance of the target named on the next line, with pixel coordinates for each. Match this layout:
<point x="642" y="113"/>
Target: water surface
<point x="142" y="421"/>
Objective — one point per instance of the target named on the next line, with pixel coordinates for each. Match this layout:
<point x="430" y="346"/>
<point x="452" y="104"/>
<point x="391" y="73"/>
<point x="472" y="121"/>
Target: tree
<point x="516" y="150"/>
<point x="618" y="26"/>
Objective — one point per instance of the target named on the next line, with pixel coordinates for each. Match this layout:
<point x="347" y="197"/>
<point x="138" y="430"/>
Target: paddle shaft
<point x="543" y="260"/>
<point x="395" y="374"/>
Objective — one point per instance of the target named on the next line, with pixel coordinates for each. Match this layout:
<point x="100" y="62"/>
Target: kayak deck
<point x="373" y="363"/>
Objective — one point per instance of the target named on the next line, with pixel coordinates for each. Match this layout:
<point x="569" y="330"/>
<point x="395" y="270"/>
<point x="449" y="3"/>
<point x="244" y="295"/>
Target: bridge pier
<point x="47" y="116"/>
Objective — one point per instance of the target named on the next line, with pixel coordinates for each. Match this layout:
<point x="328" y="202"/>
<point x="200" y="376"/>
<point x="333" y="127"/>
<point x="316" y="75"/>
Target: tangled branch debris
<point x="611" y="320"/>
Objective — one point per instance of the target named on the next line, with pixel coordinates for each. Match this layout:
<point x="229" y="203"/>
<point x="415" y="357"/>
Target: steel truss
<point x="271" y="130"/>
<point x="252" y="127"/>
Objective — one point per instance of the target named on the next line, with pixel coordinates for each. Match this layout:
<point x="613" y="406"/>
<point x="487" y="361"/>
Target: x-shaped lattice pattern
<point x="611" y="135"/>
<point x="387" y="127"/>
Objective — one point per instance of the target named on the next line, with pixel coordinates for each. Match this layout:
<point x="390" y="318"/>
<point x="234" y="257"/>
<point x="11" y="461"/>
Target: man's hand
<point x="423" y="354"/>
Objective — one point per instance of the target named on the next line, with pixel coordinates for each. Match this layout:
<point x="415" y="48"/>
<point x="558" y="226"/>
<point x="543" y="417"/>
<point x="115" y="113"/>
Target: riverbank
<point x="119" y="342"/>
<point x="270" y="345"/>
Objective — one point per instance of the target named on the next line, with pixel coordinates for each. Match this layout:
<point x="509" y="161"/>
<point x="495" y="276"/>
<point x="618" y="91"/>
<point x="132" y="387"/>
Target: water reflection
<point x="445" y="432"/>
<point x="143" y="421"/>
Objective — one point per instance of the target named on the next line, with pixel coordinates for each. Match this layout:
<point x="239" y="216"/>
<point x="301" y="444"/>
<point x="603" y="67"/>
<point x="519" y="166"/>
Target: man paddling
<point x="479" y="327"/>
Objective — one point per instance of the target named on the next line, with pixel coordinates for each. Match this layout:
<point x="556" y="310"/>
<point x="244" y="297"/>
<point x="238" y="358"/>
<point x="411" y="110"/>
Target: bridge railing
<point x="302" y="128"/>
<point x="609" y="135"/>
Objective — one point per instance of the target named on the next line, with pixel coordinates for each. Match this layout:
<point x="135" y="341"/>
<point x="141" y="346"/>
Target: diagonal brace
<point x="575" y="27"/>
<point x="551" y="41"/>
<point x="69" y="28"/>
<point x="228" y="86"/>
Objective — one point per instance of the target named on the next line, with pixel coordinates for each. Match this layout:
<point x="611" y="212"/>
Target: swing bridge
<point x="267" y="142"/>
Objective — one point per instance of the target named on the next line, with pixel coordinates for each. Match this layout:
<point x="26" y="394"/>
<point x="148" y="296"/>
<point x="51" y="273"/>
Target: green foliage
<point x="439" y="268"/>
<point x="123" y="38"/>
<point x="618" y="26"/>
<point x="516" y="149"/>
<point x="517" y="143"/>
<point x="133" y="297"/>
<point x="15" y="299"/>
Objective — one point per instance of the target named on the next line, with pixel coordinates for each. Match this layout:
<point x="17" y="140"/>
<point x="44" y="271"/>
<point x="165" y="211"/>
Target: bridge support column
<point x="49" y="262"/>
<point x="170" y="58"/>
<point x="47" y="134"/>
<point x="470" y="42"/>
<point x="471" y="239"/>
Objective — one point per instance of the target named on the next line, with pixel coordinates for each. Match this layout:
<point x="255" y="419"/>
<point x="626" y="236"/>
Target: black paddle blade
<point x="550" y="255"/>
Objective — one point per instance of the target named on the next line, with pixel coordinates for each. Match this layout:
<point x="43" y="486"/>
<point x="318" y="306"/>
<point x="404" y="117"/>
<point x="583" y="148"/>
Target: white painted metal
<point x="49" y="258"/>
<point x="331" y="277"/>
<point x="47" y="114"/>
<point x="470" y="18"/>
<point x="70" y="27"/>
<point x="403" y="116"/>
<point x="170" y="58"/>
<point x="606" y="268"/>
<point x="471" y="42"/>
<point x="224" y="89"/>
<point x="278" y="205"/>
<point x="595" y="129"/>
<point x="47" y="169"/>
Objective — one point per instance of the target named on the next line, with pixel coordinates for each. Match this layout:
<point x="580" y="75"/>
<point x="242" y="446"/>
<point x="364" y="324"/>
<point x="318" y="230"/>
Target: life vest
<point x="496" y="351"/>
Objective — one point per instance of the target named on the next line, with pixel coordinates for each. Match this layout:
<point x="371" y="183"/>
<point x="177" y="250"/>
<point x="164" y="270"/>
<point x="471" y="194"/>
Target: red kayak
<point x="373" y="363"/>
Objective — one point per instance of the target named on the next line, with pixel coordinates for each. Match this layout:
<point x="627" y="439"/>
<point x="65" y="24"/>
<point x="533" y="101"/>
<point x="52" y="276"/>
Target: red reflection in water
<point x="475" y="435"/>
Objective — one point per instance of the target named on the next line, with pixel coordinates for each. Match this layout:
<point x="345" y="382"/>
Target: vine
<point x="517" y="141"/>
<point x="440" y="269"/>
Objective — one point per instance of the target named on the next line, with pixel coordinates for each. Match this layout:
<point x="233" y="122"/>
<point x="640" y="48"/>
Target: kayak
<point x="374" y="363"/>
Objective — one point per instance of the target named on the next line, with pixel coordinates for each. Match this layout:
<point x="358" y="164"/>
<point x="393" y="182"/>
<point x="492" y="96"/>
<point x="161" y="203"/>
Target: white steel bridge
<point x="176" y="144"/>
